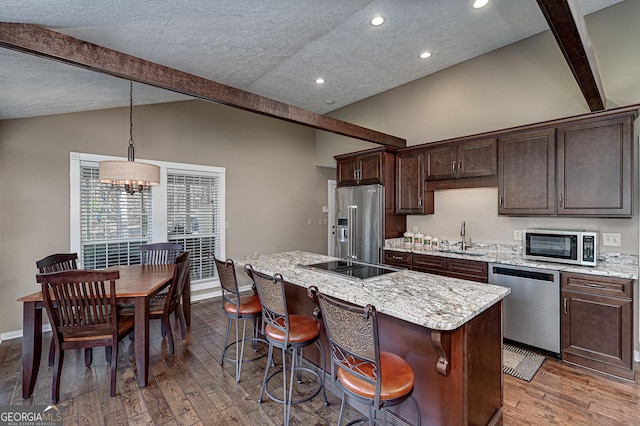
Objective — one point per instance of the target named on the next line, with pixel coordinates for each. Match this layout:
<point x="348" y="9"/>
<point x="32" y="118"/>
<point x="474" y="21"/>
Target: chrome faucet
<point x="463" y="233"/>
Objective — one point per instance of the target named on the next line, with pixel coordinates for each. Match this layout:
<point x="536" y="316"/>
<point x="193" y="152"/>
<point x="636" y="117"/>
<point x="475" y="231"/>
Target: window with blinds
<point x="193" y="217"/>
<point x="113" y="224"/>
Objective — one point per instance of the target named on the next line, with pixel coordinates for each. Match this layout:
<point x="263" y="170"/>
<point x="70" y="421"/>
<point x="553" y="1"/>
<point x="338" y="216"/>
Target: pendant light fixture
<point x="134" y="176"/>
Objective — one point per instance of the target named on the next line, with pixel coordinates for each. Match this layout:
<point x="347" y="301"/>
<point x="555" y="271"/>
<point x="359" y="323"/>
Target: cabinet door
<point x="430" y="264"/>
<point x="597" y="332"/>
<point x="346" y="172"/>
<point x="441" y="162"/>
<point x="472" y="270"/>
<point x="526" y="173"/>
<point x="371" y="169"/>
<point x="595" y="167"/>
<point x="410" y="193"/>
<point x="477" y="158"/>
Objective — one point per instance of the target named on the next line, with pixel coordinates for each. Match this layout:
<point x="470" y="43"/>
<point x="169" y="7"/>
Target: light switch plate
<point x="517" y="235"/>
<point x="611" y="240"/>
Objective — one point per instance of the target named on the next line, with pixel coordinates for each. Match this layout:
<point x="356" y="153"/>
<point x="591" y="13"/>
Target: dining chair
<point x="159" y="254"/>
<point x="289" y="332"/>
<point x="83" y="314"/>
<point x="55" y="263"/>
<point x="379" y="379"/>
<point x="163" y="308"/>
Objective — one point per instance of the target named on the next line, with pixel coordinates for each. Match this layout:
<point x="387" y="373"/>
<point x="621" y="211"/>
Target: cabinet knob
<point x="500" y="201"/>
<point x="560" y="200"/>
<point x="420" y="202"/>
<point x="453" y="167"/>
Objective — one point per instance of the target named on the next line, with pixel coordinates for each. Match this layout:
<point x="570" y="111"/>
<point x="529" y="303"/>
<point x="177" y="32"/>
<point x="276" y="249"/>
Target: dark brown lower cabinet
<point x="401" y="259"/>
<point x="472" y="270"/>
<point x="597" y="323"/>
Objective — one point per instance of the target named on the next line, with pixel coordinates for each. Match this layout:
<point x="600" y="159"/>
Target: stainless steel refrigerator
<point x="359" y="222"/>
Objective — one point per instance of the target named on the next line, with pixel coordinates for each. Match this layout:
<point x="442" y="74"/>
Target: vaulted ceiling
<point x="276" y="49"/>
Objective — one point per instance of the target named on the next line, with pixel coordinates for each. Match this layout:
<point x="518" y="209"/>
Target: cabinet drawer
<point x="431" y="264"/>
<point x="468" y="269"/>
<point x="397" y="258"/>
<point x="605" y="286"/>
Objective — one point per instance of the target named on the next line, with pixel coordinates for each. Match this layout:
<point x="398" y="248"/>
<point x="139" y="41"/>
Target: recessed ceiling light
<point x="425" y="55"/>
<point x="320" y="80"/>
<point x="377" y="20"/>
<point x="330" y="102"/>
<point x="480" y="3"/>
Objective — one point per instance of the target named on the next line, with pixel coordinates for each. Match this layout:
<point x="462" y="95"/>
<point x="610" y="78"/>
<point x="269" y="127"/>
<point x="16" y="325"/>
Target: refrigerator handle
<point x="352" y="232"/>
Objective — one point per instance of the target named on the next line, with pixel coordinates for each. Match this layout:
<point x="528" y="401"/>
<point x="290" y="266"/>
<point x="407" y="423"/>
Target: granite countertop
<point x="610" y="265"/>
<point x="432" y="301"/>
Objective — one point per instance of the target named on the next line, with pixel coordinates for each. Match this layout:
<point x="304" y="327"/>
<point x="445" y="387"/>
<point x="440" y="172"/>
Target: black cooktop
<point x="352" y="268"/>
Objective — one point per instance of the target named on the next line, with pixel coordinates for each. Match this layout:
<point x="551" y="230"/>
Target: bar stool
<point x="241" y="309"/>
<point x="287" y="332"/>
<point x="378" y="379"/>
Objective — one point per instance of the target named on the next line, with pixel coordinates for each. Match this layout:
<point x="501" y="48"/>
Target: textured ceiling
<point x="274" y="48"/>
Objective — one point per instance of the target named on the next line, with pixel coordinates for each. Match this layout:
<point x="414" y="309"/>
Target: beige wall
<point x="273" y="187"/>
<point x="523" y="83"/>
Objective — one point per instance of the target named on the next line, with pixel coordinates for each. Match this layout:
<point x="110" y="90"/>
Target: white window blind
<point x="193" y="217"/>
<point x="113" y="224"/>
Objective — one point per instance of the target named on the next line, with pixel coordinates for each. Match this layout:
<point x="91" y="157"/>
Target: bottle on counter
<point x="435" y="243"/>
<point x="418" y="241"/>
<point x="427" y="242"/>
<point x="408" y="240"/>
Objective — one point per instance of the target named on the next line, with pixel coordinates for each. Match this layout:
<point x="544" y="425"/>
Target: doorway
<point x="331" y="198"/>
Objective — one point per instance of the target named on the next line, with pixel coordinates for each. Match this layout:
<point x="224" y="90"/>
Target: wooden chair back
<point x="57" y="262"/>
<point x="79" y="303"/>
<point x="159" y="253"/>
<point x="179" y="280"/>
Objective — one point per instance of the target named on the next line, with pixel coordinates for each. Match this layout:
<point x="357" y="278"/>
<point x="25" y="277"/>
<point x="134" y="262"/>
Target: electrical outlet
<point x="611" y="240"/>
<point x="517" y="235"/>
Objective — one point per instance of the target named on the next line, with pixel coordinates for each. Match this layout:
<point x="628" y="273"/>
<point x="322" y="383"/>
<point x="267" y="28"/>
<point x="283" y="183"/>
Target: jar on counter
<point x="408" y="240"/>
<point x="418" y="241"/>
<point x="427" y="242"/>
<point x="435" y="243"/>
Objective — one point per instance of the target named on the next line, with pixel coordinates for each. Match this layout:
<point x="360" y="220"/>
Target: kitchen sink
<point x="464" y="252"/>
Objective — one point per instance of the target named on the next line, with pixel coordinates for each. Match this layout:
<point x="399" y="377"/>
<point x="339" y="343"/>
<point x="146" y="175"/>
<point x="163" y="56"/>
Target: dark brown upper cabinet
<point x="411" y="197"/>
<point x="578" y="167"/>
<point x="463" y="159"/>
<point x="595" y="167"/>
<point x="364" y="167"/>
<point x="526" y="176"/>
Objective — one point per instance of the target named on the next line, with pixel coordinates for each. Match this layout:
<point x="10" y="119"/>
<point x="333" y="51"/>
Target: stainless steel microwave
<point x="559" y="245"/>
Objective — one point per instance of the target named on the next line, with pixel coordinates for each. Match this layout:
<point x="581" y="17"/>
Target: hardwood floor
<point x="192" y="388"/>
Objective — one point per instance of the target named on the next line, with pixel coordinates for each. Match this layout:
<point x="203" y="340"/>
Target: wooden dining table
<point x="136" y="285"/>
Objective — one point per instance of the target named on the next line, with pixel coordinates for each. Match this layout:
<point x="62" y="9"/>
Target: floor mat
<point x="521" y="363"/>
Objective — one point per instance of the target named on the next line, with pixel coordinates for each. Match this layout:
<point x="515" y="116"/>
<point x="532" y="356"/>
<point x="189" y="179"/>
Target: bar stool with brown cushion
<point x="377" y="378"/>
<point x="241" y="309"/>
<point x="164" y="307"/>
<point x="84" y="315"/>
<point x="56" y="263"/>
<point x="287" y="332"/>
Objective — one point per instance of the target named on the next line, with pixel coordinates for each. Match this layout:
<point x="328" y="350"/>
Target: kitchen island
<point x="449" y="331"/>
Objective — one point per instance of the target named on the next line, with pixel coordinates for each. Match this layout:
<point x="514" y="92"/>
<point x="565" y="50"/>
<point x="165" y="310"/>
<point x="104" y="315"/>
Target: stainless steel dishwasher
<point x="532" y="309"/>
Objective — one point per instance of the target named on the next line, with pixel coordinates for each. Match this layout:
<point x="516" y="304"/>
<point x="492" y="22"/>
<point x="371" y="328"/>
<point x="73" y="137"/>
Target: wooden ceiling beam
<point x="39" y="41"/>
<point x="567" y="24"/>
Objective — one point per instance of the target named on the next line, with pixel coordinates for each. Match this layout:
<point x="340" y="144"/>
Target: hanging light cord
<point x="131" y="154"/>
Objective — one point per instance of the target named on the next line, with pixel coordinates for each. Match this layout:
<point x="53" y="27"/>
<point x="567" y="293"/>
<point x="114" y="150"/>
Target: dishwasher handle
<point x="519" y="273"/>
